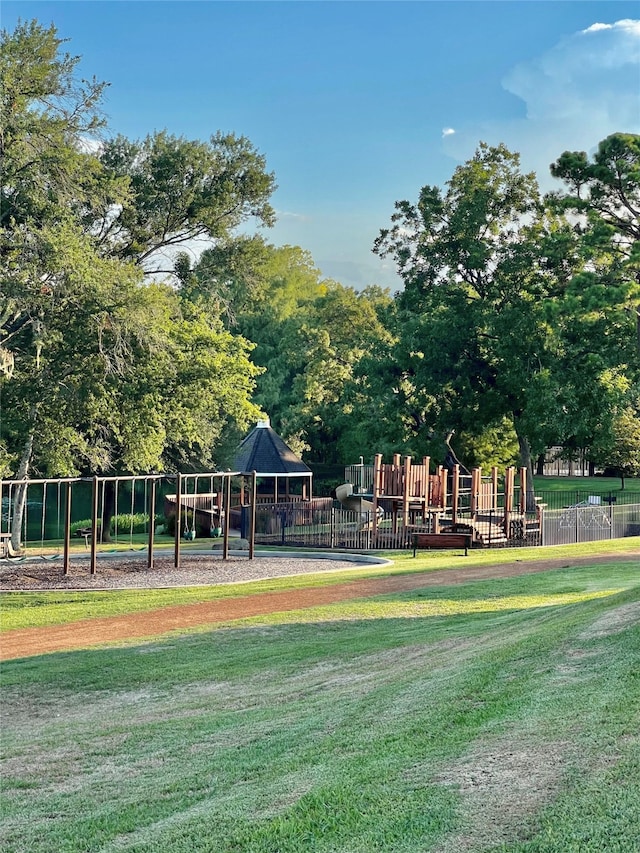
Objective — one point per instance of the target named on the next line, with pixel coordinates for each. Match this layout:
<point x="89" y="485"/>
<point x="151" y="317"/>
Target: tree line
<point x="122" y="351"/>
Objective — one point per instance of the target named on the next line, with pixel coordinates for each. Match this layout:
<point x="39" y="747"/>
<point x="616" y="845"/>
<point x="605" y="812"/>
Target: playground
<point x="385" y="506"/>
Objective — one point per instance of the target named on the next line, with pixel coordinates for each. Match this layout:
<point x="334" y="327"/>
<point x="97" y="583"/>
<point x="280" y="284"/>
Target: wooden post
<point x="176" y="538"/>
<point x="426" y="489"/>
<point x="377" y="473"/>
<point x="523" y="490"/>
<point x="152" y="522"/>
<point x="94" y="526"/>
<point x="494" y="487"/>
<point x="509" y="478"/>
<point x="227" y="516"/>
<point x="252" y="522"/>
<point x="476" y="480"/>
<point x="67" y="531"/>
<point x="396" y="475"/>
<point x="406" y="492"/>
<point x="455" y="494"/>
<point x="442" y="476"/>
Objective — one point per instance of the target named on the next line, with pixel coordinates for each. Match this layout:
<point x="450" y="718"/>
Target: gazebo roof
<point x="264" y="452"/>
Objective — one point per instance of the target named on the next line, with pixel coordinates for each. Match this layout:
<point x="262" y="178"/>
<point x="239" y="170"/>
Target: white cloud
<point x="576" y="94"/>
<point x="447" y="131"/>
<point x="287" y="214"/>
<point x="626" y="24"/>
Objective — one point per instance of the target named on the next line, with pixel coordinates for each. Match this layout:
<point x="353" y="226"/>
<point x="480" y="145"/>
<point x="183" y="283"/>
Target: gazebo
<point x="281" y="475"/>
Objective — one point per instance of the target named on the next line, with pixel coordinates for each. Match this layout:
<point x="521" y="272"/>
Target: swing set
<point x="119" y="503"/>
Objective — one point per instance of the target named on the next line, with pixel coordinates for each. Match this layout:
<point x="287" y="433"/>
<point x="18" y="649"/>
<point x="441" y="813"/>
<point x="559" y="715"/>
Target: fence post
<point x="227" y="516"/>
<point x="252" y="521"/>
<point x="455" y="495"/>
<point x="611" y="536"/>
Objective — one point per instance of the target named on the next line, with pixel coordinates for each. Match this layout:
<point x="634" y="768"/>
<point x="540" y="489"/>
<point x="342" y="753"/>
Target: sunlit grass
<point x="597" y="485"/>
<point x="36" y="609"/>
<point x="419" y="608"/>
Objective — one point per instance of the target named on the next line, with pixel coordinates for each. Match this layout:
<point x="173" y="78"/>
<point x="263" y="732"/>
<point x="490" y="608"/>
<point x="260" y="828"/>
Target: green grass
<point x="497" y="715"/>
<point x="595" y="485"/>
<point x="38" y="609"/>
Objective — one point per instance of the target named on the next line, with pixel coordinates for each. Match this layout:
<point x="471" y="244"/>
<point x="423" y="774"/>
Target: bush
<point x="139" y="520"/>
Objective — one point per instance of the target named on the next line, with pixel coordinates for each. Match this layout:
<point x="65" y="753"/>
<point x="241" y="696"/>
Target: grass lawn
<point x="499" y="715"/>
<point x="595" y="484"/>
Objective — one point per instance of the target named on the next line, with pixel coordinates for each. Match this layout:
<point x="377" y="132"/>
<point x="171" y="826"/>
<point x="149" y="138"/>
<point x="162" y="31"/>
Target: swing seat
<point x="6" y="550"/>
<point x="189" y="535"/>
<point x="5" y="540"/>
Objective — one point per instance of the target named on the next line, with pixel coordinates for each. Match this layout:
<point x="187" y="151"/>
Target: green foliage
<point x="179" y="190"/>
<point x="103" y="370"/>
<point x="496" y="445"/>
<point x="511" y="311"/>
<point x="125" y="523"/>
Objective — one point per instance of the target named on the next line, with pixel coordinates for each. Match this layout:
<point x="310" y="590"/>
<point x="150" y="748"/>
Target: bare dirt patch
<point x="502" y="784"/>
<point x="613" y="622"/>
<point x="95" y="632"/>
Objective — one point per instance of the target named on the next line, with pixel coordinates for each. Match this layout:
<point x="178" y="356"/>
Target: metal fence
<point x="579" y="497"/>
<point x="589" y="522"/>
<point x="323" y="524"/>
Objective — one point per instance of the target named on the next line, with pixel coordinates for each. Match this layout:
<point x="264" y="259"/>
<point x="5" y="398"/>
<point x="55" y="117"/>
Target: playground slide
<point x="357" y="503"/>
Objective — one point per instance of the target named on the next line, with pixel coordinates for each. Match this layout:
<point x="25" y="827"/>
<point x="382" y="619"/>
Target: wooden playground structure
<point x="407" y="498"/>
<point x="387" y="504"/>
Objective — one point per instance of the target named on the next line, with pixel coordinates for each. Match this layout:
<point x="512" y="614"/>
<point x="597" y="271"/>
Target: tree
<point x="178" y="190"/>
<point x="473" y="330"/>
<point x="339" y="333"/>
<point x="623" y="454"/>
<point x="606" y="192"/>
<point x="104" y="370"/>
<point x="602" y="305"/>
<point x="264" y="294"/>
<point x="510" y="309"/>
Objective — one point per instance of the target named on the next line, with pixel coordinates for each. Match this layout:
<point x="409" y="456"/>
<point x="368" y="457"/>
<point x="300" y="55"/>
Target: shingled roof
<point x="266" y="453"/>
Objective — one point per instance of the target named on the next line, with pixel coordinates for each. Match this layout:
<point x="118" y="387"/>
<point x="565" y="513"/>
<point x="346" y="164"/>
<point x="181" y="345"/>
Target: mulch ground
<point x="87" y="633"/>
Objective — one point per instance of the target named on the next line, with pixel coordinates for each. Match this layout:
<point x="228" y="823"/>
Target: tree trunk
<point x="20" y="498"/>
<point x="526" y="462"/>
<point x="540" y="465"/>
<point x="108" y="510"/>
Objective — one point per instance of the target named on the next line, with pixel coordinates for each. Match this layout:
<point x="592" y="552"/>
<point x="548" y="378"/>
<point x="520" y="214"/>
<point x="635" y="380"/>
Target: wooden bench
<point x="86" y="532"/>
<point x="442" y="540"/>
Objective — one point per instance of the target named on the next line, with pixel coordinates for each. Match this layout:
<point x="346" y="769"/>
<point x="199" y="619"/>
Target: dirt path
<point x="96" y="632"/>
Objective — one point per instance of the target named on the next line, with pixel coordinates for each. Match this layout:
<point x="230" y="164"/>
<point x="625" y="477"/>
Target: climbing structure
<point x="492" y="508"/>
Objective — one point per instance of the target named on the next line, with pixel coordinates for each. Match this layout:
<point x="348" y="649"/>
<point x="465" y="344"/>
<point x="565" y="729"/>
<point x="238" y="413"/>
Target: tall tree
<point x="512" y="310"/>
<point x="600" y="318"/>
<point x="473" y="327"/>
<point x="102" y="370"/>
<point x="179" y="190"/>
<point x="606" y="192"/>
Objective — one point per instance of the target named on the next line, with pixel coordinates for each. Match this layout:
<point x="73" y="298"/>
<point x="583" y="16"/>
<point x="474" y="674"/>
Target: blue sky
<point x="358" y="104"/>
